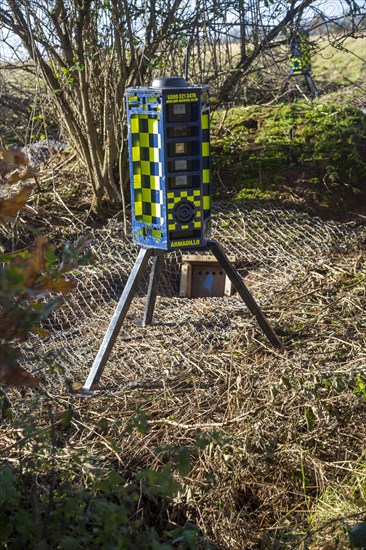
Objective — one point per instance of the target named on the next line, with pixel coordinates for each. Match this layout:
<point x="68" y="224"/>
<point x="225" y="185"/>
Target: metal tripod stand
<point x="311" y="85"/>
<point x="309" y="82"/>
<point x="131" y="286"/>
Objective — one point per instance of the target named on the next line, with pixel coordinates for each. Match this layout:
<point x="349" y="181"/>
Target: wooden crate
<point x="202" y="276"/>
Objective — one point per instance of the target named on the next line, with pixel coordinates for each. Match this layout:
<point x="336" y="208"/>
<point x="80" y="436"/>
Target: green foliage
<point x="139" y="423"/>
<point x="186" y="536"/>
<point x="32" y="283"/>
<point x="44" y="505"/>
<point x="108" y="514"/>
<point x="315" y="149"/>
<point x="339" y="504"/>
<point x="360" y="386"/>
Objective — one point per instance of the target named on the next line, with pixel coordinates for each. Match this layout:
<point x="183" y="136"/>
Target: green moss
<point x="255" y="194"/>
<point x="319" y="149"/>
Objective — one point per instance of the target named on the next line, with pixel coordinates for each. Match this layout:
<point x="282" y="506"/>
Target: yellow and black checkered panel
<point x="300" y="59"/>
<point x="306" y="54"/>
<point x="184" y="209"/>
<point x="206" y="193"/>
<point x="147" y="168"/>
<point x="171" y="199"/>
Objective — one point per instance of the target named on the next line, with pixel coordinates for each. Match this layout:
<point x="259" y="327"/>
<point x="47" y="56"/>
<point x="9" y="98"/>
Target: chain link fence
<point x="273" y="246"/>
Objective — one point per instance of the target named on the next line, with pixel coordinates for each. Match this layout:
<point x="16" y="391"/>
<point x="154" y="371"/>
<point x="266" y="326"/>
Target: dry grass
<point x="282" y="465"/>
<point x="343" y="65"/>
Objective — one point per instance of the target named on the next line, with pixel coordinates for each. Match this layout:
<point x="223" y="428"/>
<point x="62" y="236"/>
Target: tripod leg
<point x="153" y="287"/>
<point x="311" y="85"/>
<point x="285" y="85"/>
<point x="118" y="317"/>
<point x="244" y="293"/>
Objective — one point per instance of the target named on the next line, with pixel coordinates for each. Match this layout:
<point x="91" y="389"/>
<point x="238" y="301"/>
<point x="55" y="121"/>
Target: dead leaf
<point x="36" y="263"/>
<point x="11" y="206"/>
<point x="11" y="158"/>
<point x="41" y="331"/>
<point x="13" y="374"/>
<point x="58" y="285"/>
<point x="20" y="175"/>
<point x="10" y="328"/>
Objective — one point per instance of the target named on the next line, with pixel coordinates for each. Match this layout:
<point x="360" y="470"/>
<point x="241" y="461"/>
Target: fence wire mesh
<point x="273" y="246"/>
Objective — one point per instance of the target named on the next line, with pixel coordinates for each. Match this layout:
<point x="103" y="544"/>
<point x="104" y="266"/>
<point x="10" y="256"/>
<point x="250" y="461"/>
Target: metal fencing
<point x="273" y="246"/>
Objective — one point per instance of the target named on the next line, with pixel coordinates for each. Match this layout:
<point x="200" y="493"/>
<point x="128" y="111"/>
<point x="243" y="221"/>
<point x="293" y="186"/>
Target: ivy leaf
<point x="66" y="418"/>
<point x="183" y="461"/>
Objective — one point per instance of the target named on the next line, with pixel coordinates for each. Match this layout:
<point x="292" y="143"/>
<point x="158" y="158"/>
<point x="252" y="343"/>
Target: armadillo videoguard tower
<point x="169" y="152"/>
<point x="300" y="58"/>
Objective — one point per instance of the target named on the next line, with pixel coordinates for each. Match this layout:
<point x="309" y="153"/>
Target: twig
<point x="202" y="425"/>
